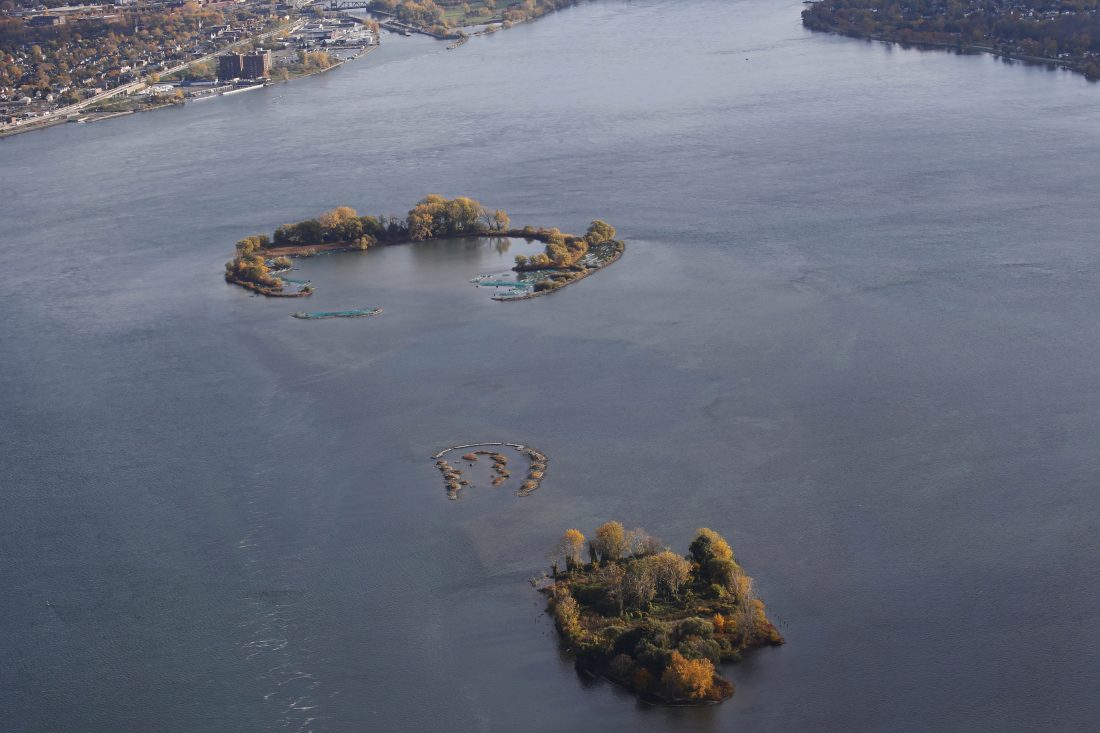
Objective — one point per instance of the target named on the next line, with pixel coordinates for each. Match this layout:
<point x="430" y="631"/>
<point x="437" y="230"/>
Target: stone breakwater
<point x="452" y="475"/>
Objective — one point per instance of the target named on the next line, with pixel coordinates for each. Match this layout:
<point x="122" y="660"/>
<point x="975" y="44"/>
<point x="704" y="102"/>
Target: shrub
<point x="622" y="667"/>
<point x="696" y="648"/>
<point x="693" y="627"/>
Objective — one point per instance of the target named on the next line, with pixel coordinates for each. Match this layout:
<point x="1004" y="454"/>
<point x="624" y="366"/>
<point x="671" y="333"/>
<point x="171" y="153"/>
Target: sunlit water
<point x="855" y="330"/>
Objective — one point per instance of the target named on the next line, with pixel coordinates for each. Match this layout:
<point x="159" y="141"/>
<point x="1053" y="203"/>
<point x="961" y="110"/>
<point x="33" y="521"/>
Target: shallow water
<point x="854" y="331"/>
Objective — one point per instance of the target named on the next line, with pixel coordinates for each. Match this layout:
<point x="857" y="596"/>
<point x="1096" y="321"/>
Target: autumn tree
<point x="671" y="572"/>
<point x="610" y="543"/>
<point x="642" y="543"/>
<point x="337" y="217"/>
<point x="253" y="244"/>
<point x="556" y="248"/>
<point x="687" y="679"/>
<point x="500" y="220"/>
<point x="435" y="216"/>
<point x="599" y="231"/>
<point x="571" y="546"/>
<point x="567" y="613"/>
<point x="709" y="545"/>
<point x="714" y="558"/>
<point x="343" y="224"/>
<point x="640" y="584"/>
<point x="612" y="577"/>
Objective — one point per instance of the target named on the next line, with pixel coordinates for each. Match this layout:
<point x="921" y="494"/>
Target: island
<point x="260" y="259"/>
<point x="1037" y="31"/>
<point x="653" y="621"/>
<point x="499" y="472"/>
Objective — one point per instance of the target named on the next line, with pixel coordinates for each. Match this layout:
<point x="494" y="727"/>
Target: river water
<point x="854" y="331"/>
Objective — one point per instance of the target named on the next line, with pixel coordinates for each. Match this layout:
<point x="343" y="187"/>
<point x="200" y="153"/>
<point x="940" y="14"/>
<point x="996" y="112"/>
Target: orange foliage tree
<point x="688" y="679"/>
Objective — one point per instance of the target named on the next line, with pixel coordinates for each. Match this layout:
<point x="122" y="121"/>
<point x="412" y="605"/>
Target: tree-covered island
<point x="653" y="621"/>
<point x="260" y="259"/>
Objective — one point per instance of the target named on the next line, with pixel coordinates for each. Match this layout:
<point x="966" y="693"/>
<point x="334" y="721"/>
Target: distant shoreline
<point x="816" y="23"/>
<point x="89" y="116"/>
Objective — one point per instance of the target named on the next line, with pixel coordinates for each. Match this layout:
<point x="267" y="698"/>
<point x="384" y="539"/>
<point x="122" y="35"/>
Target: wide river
<point x="856" y="331"/>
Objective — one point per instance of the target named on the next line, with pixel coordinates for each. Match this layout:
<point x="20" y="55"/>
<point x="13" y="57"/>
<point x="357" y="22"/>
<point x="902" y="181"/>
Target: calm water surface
<point x="855" y="331"/>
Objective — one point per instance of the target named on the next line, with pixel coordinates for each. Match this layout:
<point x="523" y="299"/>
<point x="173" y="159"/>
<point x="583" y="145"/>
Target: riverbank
<point x="458" y="36"/>
<point x="120" y="106"/>
<point x="869" y="21"/>
<point x="457" y="18"/>
<point x="76" y="112"/>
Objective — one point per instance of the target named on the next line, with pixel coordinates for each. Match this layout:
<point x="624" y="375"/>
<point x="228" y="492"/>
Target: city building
<point x="46" y="20"/>
<point x="256" y="65"/>
<point x="230" y="66"/>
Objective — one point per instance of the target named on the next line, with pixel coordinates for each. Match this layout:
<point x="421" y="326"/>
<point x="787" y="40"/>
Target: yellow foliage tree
<point x="611" y="541"/>
<point x="688" y="679"/>
<point x="337" y="217"/>
<point x="571" y="547"/>
<point x="718" y="548"/>
<point x="567" y="613"/>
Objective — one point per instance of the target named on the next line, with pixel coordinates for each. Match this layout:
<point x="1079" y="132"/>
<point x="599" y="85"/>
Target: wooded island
<point x="259" y="259"/>
<point x="653" y="621"/>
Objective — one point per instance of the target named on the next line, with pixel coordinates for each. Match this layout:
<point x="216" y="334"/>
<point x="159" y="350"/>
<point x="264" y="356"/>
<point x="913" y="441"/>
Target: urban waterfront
<point x="854" y="331"/>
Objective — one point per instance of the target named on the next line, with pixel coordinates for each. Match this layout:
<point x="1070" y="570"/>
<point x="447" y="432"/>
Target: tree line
<point x="1067" y="31"/>
<point x="433" y="217"/>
